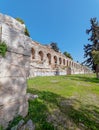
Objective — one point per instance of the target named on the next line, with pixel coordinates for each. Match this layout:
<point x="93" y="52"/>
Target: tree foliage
<point x="92" y="50"/>
<point x="68" y="55"/>
<point x="26" y="32"/>
<point x="95" y="55"/>
<point x="54" y="46"/>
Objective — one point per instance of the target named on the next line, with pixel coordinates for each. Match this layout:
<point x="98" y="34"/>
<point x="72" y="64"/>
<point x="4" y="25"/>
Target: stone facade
<point x="47" y="62"/>
<point x="14" y="70"/>
<point x="25" y="58"/>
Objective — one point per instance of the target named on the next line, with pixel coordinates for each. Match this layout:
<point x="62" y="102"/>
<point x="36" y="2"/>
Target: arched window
<point x="64" y="61"/>
<point x="75" y="65"/>
<point x="67" y="63"/>
<point x="72" y="64"/>
<point x="41" y="55"/>
<point x="60" y="61"/>
<point x="33" y="53"/>
<point x="49" y="58"/>
<point x="55" y="59"/>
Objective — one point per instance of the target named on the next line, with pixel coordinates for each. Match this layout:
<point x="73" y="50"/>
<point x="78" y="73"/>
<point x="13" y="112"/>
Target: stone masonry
<point x="14" y="70"/>
<point x="25" y="58"/>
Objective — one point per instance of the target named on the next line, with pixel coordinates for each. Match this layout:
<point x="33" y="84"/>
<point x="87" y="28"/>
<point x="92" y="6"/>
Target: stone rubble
<point x="31" y="96"/>
<point x="24" y="126"/>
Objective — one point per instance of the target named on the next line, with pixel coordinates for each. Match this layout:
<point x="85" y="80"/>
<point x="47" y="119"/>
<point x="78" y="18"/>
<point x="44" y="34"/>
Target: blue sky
<point x="60" y="21"/>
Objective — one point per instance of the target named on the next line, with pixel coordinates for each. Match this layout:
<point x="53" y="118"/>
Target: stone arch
<point x="63" y="61"/>
<point x="60" y="60"/>
<point x="67" y="63"/>
<point x="72" y="64"/>
<point x="41" y="55"/>
<point x="75" y="65"/>
<point x="68" y="70"/>
<point x="55" y="59"/>
<point x="33" y="53"/>
<point x="49" y="58"/>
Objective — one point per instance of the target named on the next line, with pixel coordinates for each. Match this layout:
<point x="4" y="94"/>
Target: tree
<point x="95" y="55"/>
<point x="26" y="32"/>
<point x="68" y="55"/>
<point x="92" y="50"/>
<point x="54" y="46"/>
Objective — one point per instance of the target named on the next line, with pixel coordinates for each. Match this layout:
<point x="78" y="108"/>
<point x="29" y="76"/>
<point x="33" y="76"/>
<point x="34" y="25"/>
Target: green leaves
<point x="20" y="20"/>
<point x="26" y="32"/>
<point x="95" y="55"/>
<point x="91" y="50"/>
<point x="68" y="55"/>
<point x="3" y="48"/>
<point x="54" y="46"/>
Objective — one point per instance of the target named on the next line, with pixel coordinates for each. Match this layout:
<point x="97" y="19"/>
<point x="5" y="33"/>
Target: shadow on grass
<point x="85" y="78"/>
<point x="53" y="112"/>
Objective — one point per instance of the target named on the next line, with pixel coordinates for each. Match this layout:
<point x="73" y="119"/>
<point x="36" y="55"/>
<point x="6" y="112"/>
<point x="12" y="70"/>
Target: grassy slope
<point x="65" y="102"/>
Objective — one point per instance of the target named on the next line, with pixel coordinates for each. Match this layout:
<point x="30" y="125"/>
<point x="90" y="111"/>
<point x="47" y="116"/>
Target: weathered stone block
<point x="14" y="70"/>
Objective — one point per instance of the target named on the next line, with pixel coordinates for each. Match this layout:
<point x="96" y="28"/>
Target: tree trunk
<point x="97" y="71"/>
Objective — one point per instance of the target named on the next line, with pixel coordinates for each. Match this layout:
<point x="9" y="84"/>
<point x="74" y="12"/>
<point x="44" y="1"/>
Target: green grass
<point x="1" y="128"/>
<point x="65" y="102"/>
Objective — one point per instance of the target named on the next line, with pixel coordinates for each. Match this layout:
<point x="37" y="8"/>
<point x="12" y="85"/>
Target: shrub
<point x="3" y="48"/>
<point x="20" y="20"/>
<point x="26" y="32"/>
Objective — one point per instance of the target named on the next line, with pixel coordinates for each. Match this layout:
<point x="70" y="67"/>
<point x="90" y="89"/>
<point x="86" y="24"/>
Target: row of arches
<point x="41" y="55"/>
<point x="56" y="60"/>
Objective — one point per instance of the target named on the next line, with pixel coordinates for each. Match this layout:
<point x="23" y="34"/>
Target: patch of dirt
<point x="60" y="121"/>
<point x="54" y="81"/>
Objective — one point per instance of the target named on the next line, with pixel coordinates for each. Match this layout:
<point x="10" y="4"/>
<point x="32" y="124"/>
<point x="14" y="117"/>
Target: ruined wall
<point x="43" y="62"/>
<point x="47" y="62"/>
<point x="12" y="23"/>
<point x="14" y="70"/>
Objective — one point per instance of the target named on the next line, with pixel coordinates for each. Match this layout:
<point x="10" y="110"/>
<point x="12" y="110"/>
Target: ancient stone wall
<point x="12" y="23"/>
<point x="47" y="62"/>
<point x="14" y="70"/>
